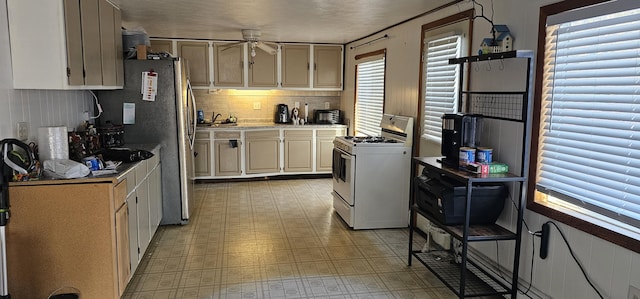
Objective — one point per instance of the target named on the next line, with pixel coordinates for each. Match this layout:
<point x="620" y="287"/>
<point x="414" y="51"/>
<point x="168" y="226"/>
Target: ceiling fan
<point x="252" y="38"/>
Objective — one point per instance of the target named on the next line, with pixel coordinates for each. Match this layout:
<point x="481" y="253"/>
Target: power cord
<point x="97" y="105"/>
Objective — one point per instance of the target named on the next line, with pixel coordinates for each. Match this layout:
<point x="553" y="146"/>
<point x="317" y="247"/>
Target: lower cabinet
<point x="324" y="147"/>
<point x="262" y="151"/>
<point x="298" y="150"/>
<point x="202" y="159"/>
<point x="69" y="233"/>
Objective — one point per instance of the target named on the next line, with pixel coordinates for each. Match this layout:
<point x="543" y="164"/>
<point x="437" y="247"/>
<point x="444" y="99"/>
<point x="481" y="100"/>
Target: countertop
<point x="122" y="170"/>
<point x="251" y="125"/>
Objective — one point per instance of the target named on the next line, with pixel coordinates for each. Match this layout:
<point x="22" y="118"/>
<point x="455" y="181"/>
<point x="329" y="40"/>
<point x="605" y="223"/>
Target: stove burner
<point x="370" y="139"/>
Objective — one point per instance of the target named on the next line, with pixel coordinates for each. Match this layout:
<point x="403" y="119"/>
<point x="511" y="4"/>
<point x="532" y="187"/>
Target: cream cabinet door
<point x="73" y="30"/>
<point x="324" y="148"/>
<point x="298" y="150"/>
<point x="295" y="66"/>
<point x="229" y="65"/>
<point x="144" y="225"/>
<point x="262" y="70"/>
<point x="196" y="56"/>
<point x="155" y="198"/>
<point x="107" y="42"/>
<point x="227" y="158"/>
<point x="117" y="25"/>
<point x="92" y="56"/>
<point x="262" y="151"/>
<point x="162" y="45"/>
<point x="134" y="248"/>
<point x="202" y="161"/>
<point x="327" y="67"/>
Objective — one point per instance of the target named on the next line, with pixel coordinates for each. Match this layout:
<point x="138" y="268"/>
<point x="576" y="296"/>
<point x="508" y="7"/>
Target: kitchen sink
<point x="217" y="125"/>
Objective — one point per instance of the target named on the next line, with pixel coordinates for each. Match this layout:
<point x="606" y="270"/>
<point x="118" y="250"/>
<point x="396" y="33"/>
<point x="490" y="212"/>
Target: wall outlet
<point x="85" y="115"/>
<point x="326" y="105"/>
<point x="23" y="130"/>
<point x="296" y="105"/>
<point x="634" y="293"/>
<point x="256" y="106"/>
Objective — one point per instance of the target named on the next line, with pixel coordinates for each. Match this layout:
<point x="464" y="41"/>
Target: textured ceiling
<point x="312" y="21"/>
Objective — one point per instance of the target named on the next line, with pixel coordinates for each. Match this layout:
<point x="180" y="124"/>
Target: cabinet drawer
<point x="330" y="133"/>
<point x="152" y="162"/>
<point x="130" y="178"/>
<point x="120" y="194"/>
<point x="202" y="135"/>
<point x="141" y="171"/>
<point x="298" y="133"/>
<point x="226" y="135"/>
<point x="263" y="134"/>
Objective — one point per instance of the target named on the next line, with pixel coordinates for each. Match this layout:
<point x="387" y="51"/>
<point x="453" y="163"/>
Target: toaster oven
<point x="327" y="116"/>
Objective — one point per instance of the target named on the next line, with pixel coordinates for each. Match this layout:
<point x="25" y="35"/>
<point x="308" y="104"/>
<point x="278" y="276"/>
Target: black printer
<point x="444" y="199"/>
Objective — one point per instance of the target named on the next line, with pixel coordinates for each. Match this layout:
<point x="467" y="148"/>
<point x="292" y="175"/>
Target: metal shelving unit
<point x="466" y="278"/>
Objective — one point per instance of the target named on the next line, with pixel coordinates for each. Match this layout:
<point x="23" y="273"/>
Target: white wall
<point x="37" y="107"/>
<point x="611" y="267"/>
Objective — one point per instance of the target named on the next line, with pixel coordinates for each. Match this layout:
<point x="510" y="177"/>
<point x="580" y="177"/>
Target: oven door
<point x="343" y="169"/>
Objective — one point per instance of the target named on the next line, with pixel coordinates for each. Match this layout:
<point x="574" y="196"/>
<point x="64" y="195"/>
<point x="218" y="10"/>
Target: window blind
<point x="589" y="152"/>
<point x="369" y="96"/>
<point x="440" y="84"/>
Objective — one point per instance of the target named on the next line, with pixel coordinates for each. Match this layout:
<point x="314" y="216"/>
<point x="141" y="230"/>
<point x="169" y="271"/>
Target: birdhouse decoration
<point x="502" y="40"/>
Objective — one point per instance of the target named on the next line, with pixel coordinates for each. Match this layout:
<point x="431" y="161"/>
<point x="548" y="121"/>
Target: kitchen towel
<point x="53" y="143"/>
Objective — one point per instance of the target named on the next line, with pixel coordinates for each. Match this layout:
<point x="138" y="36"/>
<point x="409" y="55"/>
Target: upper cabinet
<point x="196" y="56"/>
<point x="263" y="71"/>
<point x="82" y="40"/>
<point x="229" y="65"/>
<point x="162" y="45"/>
<point x="327" y="66"/>
<point x="295" y="66"/>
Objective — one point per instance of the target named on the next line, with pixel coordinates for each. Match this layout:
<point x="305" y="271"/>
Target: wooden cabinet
<point x="262" y="151"/>
<point x="68" y="234"/>
<point x="81" y="42"/>
<point x="327" y="66"/>
<point x="227" y="152"/>
<point x="229" y="65"/>
<point x="196" y="56"/>
<point x="155" y="193"/>
<point x="295" y="66"/>
<point x="298" y="150"/>
<point x="324" y="148"/>
<point x="263" y="71"/>
<point x="202" y="149"/>
<point x="162" y="45"/>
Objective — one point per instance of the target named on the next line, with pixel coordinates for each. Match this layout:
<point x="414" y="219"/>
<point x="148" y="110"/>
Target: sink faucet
<point x="215" y="116"/>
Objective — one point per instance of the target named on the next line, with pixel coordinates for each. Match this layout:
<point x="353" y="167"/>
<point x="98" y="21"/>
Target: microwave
<point x="327" y="116"/>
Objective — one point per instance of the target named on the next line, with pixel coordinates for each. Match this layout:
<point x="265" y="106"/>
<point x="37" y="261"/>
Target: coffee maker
<point x="459" y="130"/>
<point x="282" y="114"/>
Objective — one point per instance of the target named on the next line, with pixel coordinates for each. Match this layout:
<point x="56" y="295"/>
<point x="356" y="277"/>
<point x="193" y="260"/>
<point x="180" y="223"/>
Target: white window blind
<point x="440" y="84"/>
<point x="369" y="97"/>
<point x="589" y="153"/>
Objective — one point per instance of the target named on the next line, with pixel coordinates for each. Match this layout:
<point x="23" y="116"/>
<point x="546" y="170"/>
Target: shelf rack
<point x="467" y="279"/>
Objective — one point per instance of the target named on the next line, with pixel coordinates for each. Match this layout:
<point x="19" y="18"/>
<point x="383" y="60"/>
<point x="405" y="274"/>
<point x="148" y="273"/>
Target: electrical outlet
<point x="634" y="293"/>
<point x="85" y="115"/>
<point x="23" y="130"/>
<point x="297" y="105"/>
<point x="544" y="241"/>
<point x="256" y="106"/>
<point x="326" y="105"/>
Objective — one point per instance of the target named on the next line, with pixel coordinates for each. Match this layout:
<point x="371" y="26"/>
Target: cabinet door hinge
<point x="136" y="199"/>
<point x="68" y="72"/>
<point x="84" y="73"/>
<point x="138" y="250"/>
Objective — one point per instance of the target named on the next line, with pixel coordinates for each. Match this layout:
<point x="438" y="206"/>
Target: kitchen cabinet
<point x="196" y="56"/>
<point x="202" y="149"/>
<point x="262" y="151"/>
<point x="263" y="71"/>
<point x="155" y="193"/>
<point x="81" y="39"/>
<point x="324" y="147"/>
<point x="229" y="65"/>
<point x="227" y="151"/>
<point x="298" y="150"/>
<point x="162" y="45"/>
<point x="69" y="233"/>
<point x="295" y="66"/>
<point x="327" y="66"/>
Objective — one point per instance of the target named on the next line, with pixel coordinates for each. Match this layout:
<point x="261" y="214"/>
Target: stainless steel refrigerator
<point x="168" y="121"/>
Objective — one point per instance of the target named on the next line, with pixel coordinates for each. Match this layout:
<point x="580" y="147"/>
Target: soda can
<point x="467" y="155"/>
<point x="484" y="155"/>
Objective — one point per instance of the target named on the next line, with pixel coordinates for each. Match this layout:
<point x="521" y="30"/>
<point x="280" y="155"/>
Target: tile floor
<point x="277" y="239"/>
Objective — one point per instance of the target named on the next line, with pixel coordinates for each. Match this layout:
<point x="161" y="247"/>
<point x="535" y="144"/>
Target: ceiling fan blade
<point x="266" y="48"/>
<point x="231" y="45"/>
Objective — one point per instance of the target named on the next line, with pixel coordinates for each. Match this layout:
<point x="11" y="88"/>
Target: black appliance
<point x="282" y="114"/>
<point x="445" y="199"/>
<point x="111" y="135"/>
<point x="459" y="130"/>
<point x="327" y="116"/>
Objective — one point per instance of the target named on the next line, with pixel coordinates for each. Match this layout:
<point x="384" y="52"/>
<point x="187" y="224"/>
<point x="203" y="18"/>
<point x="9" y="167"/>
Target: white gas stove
<point x="371" y="176"/>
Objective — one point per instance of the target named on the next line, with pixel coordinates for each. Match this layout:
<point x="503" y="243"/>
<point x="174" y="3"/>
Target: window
<point x="370" y="73"/>
<point x="441" y="82"/>
<point x="586" y="155"/>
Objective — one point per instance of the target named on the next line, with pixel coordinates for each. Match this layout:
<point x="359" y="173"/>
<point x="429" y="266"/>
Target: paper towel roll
<point x="53" y="143"/>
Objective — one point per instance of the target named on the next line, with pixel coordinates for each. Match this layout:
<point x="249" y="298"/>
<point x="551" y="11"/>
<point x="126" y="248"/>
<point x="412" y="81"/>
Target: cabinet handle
<point x="315" y="66"/>
<point x="307" y="66"/>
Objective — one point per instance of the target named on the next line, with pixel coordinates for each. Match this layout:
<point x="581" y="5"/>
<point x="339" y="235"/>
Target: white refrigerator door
<point x="186" y="133"/>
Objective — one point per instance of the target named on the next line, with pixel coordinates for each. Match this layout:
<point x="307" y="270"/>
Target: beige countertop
<point x="251" y="125"/>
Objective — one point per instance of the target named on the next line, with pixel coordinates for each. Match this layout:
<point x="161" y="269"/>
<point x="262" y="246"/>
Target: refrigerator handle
<point x="193" y="119"/>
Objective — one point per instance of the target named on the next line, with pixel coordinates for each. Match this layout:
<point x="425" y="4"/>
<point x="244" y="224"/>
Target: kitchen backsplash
<point x="259" y="106"/>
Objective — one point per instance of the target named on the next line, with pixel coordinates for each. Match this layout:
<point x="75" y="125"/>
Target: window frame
<point x="535" y="202"/>
<point x="380" y="52"/>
